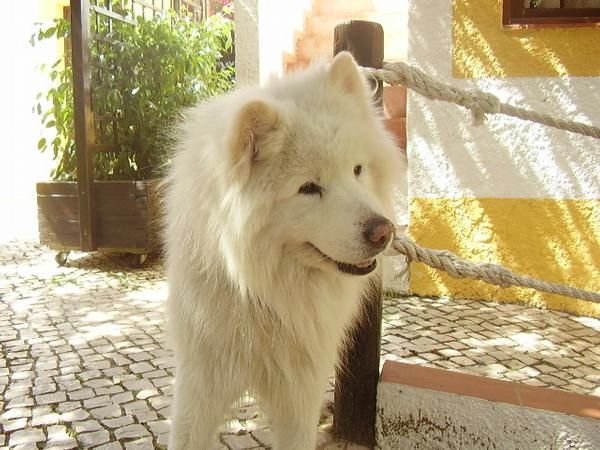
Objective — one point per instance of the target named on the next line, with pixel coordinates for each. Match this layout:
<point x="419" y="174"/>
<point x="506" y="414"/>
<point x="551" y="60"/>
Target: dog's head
<point x="313" y="169"/>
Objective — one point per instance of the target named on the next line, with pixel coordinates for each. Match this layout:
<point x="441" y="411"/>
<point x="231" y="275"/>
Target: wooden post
<point x="84" y="125"/>
<point x="356" y="384"/>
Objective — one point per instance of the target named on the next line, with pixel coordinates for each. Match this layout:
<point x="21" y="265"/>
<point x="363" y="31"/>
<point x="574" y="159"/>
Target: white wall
<point x="264" y="31"/>
<point x="22" y="164"/>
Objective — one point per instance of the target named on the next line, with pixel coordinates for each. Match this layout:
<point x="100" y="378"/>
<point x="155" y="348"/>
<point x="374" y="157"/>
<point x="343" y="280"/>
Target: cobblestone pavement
<point x="84" y="362"/>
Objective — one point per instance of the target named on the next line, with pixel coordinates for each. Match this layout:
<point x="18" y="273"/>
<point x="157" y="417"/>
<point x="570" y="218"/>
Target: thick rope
<point x="479" y="102"/>
<point x="489" y="273"/>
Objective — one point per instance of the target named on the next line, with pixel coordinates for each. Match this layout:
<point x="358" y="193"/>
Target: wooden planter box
<point x="126" y="216"/>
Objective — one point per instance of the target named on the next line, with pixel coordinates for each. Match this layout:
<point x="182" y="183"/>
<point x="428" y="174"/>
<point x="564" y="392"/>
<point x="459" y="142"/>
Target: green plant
<point x="142" y="76"/>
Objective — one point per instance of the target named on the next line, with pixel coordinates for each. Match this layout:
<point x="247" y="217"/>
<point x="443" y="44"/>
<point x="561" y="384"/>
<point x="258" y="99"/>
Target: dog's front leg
<point x="199" y="406"/>
<point x="294" y="410"/>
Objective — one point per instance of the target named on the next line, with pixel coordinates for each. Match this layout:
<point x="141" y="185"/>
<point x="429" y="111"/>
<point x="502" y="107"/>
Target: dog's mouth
<point x="362" y="268"/>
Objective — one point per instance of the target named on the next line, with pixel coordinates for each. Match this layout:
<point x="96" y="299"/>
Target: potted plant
<point x="142" y="73"/>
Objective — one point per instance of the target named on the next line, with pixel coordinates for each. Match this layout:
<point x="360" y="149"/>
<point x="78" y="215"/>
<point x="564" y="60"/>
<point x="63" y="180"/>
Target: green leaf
<point x="143" y="81"/>
<point x="41" y="143"/>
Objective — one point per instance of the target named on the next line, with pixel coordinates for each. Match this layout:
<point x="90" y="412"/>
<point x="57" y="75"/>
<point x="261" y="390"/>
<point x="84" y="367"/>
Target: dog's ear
<point x="254" y="124"/>
<point x="344" y="74"/>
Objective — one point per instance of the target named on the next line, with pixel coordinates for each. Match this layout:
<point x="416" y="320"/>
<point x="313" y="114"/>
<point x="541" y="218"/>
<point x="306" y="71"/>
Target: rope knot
<point x="480" y="103"/>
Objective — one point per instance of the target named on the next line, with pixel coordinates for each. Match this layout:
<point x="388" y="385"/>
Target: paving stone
<point x="109" y="390"/>
<point x="15" y="424"/>
<point x="69" y="406"/>
<point x="449" y="352"/>
<point x="165" y="413"/>
<point x="75" y="415"/>
<point x="29" y="446"/>
<point x="114" y="372"/>
<point x="561" y="362"/>
<point x="15" y="413"/>
<point x="118" y="422"/>
<point x="109" y="446"/>
<point x="53" y="397"/>
<point x="159" y="426"/>
<point x="143" y="416"/>
<point x="81" y="394"/>
<point x="146" y="393"/>
<point x="20" y="402"/>
<point x="86" y="426"/>
<point x="90" y="374"/>
<point x="98" y="383"/>
<point x="138" y="405"/>
<point x="162" y="440"/>
<point x="94" y="438"/>
<point x="95" y="402"/>
<point x="141" y="356"/>
<point x="106" y="412"/>
<point x="141" y="367"/>
<point x="160" y="402"/>
<point x="59" y="438"/>
<point x="163" y="381"/>
<point x="140" y="444"/>
<point x="138" y="385"/>
<point x="28" y="436"/>
<point x="123" y="397"/>
<point x="155" y="374"/>
<point x="131" y="431"/>
<point x="44" y="388"/>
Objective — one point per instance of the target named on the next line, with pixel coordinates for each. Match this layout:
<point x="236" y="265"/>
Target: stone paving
<point x="84" y="362"/>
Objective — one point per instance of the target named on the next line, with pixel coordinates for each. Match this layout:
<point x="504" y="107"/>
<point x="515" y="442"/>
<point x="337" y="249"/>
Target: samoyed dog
<point x="278" y="207"/>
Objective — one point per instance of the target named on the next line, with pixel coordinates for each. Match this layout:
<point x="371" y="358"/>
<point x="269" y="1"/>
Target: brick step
<point x="296" y="66"/>
<point x="394" y="101"/>
<point x="323" y="25"/>
<point x="397" y="126"/>
<point x="315" y="48"/>
<point x="325" y="7"/>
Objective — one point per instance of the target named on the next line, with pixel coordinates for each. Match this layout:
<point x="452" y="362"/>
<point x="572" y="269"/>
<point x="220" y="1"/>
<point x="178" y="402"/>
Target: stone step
<point x="423" y="407"/>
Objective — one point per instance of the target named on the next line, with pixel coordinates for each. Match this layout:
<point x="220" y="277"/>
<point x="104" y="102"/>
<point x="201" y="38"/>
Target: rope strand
<point x="489" y="273"/>
<point x="479" y="102"/>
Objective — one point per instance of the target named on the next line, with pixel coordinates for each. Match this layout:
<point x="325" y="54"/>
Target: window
<point x="550" y="13"/>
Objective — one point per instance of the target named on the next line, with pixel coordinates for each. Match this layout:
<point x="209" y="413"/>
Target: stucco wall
<point x="508" y="192"/>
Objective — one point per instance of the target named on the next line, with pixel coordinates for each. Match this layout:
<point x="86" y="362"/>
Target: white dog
<point x="278" y="206"/>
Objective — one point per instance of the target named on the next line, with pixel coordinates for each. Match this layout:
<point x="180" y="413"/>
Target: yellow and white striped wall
<point x="509" y="192"/>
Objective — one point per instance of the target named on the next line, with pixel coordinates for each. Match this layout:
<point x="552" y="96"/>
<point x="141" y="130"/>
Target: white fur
<point x="252" y="307"/>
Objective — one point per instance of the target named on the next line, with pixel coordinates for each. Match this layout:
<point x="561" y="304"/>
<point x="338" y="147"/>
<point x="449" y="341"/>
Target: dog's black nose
<point x="378" y="231"/>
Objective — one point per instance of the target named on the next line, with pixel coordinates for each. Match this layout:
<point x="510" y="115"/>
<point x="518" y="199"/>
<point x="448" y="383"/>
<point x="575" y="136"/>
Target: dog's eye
<point x="357" y="170"/>
<point x="310" y="189"/>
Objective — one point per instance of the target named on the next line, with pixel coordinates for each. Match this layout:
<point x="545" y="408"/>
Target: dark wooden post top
<point x="363" y="39"/>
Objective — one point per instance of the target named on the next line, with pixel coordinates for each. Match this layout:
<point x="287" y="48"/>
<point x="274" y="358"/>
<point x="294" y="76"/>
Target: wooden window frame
<point x="515" y="15"/>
